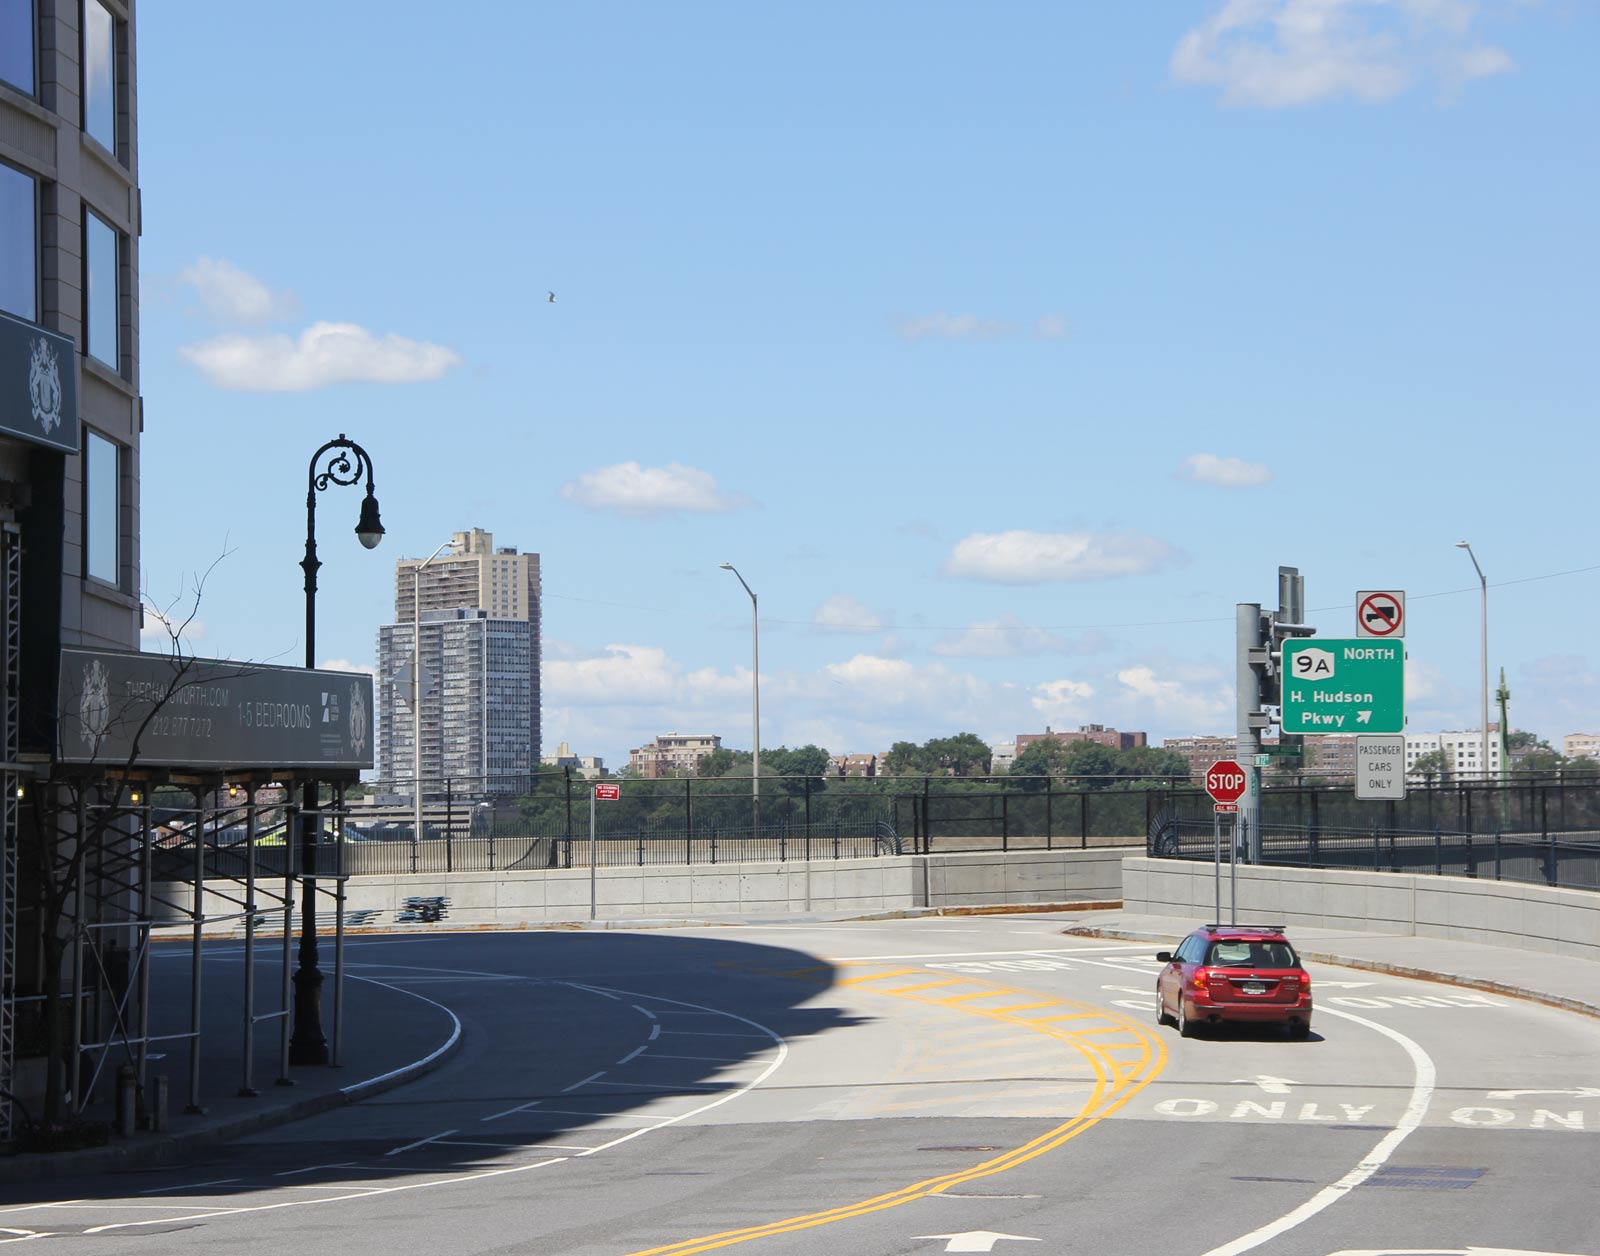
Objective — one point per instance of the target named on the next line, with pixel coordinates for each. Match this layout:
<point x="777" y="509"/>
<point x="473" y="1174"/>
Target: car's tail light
<point x="1201" y="979"/>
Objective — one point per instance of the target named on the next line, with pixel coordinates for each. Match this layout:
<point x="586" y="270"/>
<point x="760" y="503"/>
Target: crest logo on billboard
<point x="44" y="385"/>
<point x="358" y="719"/>
<point x="94" y="703"/>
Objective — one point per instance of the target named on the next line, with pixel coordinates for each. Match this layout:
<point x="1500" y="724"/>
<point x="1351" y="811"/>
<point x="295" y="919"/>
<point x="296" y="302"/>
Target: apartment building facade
<point x="672" y="754"/>
<point x="1111" y="738"/>
<point x="472" y="617"/>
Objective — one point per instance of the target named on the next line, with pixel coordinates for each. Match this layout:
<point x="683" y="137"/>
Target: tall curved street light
<point x="346" y="462"/>
<point x="755" y="705"/>
<point x="416" y="692"/>
<point x="1483" y="585"/>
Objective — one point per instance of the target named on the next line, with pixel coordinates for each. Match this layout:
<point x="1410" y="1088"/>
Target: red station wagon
<point x="1239" y="973"/>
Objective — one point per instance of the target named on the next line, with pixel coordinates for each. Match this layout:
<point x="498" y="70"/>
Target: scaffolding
<point x="10" y="784"/>
<point x="156" y="875"/>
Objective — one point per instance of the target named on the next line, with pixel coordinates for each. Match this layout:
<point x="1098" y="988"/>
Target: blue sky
<point x="1002" y="348"/>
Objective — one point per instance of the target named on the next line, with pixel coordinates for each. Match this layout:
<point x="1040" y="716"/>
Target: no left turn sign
<point x="1381" y="614"/>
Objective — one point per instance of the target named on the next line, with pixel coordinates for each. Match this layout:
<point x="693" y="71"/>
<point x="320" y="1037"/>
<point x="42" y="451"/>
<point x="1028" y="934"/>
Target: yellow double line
<point x="1124" y="1056"/>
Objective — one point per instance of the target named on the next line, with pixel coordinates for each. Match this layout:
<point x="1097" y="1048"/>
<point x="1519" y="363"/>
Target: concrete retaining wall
<point x="826" y="886"/>
<point x="1465" y="909"/>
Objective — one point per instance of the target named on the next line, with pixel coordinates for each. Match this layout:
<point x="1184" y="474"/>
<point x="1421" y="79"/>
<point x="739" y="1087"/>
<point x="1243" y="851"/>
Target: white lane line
<point x="664" y="1089"/>
<point x="593" y="1077"/>
<point x="655" y="1032"/>
<point x="189" y="1186"/>
<point x="1421" y="1095"/>
<point x="60" y="1203"/>
<point x="484" y="1174"/>
<point x="706" y="1033"/>
<point x="316" y="1168"/>
<point x="634" y="1054"/>
<point x="645" y="1010"/>
<point x="704" y="1059"/>
<point x="521" y="1107"/>
<point x="605" y="994"/>
<point x="421" y="1142"/>
<point x="599" y="1116"/>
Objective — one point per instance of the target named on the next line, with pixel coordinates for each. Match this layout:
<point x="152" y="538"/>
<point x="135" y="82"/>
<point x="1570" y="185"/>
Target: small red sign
<point x="1225" y="808"/>
<point x="1225" y="781"/>
<point x="608" y="793"/>
<point x="1381" y="615"/>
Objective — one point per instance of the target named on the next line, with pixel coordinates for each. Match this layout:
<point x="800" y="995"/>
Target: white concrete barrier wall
<point x="828" y="886"/>
<point x="1466" y="909"/>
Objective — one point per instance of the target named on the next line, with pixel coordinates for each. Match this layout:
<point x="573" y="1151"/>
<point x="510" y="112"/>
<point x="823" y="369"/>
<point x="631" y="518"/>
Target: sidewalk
<point x="389" y="1036"/>
<point x="1557" y="980"/>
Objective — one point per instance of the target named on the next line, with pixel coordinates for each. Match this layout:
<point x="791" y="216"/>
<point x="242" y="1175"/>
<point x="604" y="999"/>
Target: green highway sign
<point x="1335" y="685"/>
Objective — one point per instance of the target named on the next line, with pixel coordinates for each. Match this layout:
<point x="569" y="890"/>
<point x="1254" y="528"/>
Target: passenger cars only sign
<point x="1335" y="685"/>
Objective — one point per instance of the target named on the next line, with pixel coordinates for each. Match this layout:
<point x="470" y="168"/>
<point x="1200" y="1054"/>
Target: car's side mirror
<point x="1164" y="957"/>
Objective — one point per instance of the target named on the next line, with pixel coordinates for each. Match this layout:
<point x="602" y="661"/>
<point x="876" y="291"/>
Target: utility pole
<point x="1258" y="666"/>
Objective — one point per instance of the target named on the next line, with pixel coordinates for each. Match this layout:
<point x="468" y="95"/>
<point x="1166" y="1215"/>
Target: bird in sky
<point x="552" y="298"/>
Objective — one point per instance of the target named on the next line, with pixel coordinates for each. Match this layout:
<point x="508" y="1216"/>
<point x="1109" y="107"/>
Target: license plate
<point x="1254" y="987"/>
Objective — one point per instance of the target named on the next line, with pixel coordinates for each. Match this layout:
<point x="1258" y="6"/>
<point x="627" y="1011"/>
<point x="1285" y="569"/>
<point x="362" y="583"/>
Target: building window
<point x="100" y="266"/>
<point x="16" y="44"/>
<point x="102" y="508"/>
<point x="19" y="243"/>
<point x="99" y="73"/>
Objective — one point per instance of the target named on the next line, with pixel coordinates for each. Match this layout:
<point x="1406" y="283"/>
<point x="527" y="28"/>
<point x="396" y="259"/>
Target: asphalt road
<point x="894" y="1087"/>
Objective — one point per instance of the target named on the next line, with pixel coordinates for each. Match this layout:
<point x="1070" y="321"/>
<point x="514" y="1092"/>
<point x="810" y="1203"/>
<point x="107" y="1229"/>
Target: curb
<point x="1487" y="985"/>
<point x="155" y="1150"/>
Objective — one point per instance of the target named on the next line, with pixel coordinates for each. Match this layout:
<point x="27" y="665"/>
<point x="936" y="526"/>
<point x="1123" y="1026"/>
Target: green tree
<point x="1039" y="761"/>
<point x="1153" y="761"/>
<point x="906" y="758"/>
<point x="1433" y="766"/>
<point x="965" y="754"/>
<point x="1091" y="759"/>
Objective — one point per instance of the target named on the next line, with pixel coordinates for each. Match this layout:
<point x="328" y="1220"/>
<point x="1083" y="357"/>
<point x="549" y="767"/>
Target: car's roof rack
<point x="1249" y="928"/>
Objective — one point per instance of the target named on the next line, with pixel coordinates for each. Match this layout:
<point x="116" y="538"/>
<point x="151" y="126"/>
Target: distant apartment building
<point x="672" y="754"/>
<point x="1581" y="745"/>
<point x="1202" y="751"/>
<point x="1463" y="752"/>
<point x="1001" y="756"/>
<point x="588" y="766"/>
<point x="1097" y="733"/>
<point x="853" y="765"/>
<point x="473" y="615"/>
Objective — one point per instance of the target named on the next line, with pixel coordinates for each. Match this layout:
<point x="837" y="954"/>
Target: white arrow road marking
<point x="1581" y="1092"/>
<point x="976" y="1240"/>
<point x="1342" y="985"/>
<point x="1272" y="1085"/>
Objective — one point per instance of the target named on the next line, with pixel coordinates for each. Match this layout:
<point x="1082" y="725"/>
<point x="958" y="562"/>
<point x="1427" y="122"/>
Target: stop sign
<point x="1225" y="781"/>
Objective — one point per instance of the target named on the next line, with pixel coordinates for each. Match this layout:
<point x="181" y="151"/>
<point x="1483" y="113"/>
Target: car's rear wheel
<point x="1299" y="1029"/>
<point x="1163" y="1017"/>
<point x="1186" y="1027"/>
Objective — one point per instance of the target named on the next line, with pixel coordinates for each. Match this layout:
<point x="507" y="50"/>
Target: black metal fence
<point x="1567" y="860"/>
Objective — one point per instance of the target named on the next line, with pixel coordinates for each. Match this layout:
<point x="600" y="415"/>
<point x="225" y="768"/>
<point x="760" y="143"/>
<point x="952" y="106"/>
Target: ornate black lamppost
<point x="346" y="463"/>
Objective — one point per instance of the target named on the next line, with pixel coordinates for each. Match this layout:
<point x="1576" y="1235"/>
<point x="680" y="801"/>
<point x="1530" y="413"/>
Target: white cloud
<point x="1062" y="700"/>
<point x="346" y="665"/>
<point x="887" y="688"/>
<point x="1008" y="638"/>
<point x="323" y="355"/>
<point x="231" y="295"/>
<point x="630" y="489"/>
<point x="159" y="627"/>
<point x="1224" y="472"/>
<point x="1021" y="557"/>
<point x="943" y="326"/>
<point x="843" y="613"/>
<point x="636" y="675"/>
<point x="1187" y="703"/>
<point x="1284" y="53"/>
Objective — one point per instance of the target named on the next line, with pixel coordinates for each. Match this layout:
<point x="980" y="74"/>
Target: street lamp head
<point x="1463" y="545"/>
<point x="726" y="566"/>
<point x="369" y="529"/>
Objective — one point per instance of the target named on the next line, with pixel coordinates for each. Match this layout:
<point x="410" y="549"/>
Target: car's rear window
<point x="1239" y="954"/>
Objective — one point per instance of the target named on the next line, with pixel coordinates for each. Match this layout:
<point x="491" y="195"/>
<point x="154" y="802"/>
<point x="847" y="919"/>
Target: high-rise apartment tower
<point x="479" y="645"/>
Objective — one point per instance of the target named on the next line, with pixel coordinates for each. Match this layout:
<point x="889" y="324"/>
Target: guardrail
<point x="1565" y="860"/>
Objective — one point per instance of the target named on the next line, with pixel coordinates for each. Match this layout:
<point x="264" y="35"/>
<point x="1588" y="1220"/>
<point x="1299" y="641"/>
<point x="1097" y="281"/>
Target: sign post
<point x="1225" y="782"/>
<point x="610" y="793"/>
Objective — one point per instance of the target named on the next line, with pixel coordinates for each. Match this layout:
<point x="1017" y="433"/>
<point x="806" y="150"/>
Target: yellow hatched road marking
<point x="927" y="985"/>
<point x="1115" y="1082"/>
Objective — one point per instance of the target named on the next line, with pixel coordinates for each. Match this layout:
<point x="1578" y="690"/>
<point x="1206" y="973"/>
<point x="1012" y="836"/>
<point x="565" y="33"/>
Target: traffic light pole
<point x="1251" y="719"/>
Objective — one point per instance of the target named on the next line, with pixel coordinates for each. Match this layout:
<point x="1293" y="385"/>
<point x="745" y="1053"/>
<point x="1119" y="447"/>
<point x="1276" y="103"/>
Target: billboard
<point x="116" y="707"/>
